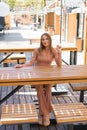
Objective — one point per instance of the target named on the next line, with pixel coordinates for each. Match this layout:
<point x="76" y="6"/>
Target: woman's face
<point x="45" y="41"/>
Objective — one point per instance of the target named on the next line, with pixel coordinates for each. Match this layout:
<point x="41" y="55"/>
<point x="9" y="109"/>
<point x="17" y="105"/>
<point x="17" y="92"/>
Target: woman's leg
<point x="44" y="99"/>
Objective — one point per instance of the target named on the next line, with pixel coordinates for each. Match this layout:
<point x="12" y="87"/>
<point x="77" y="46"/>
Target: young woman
<point x="43" y="56"/>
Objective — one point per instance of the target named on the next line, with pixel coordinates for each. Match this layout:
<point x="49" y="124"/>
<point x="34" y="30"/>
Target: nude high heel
<point x="40" y="121"/>
<point x="46" y="120"/>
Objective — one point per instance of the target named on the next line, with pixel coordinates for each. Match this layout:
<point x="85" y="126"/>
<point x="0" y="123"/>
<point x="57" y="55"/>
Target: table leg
<point x="73" y="57"/>
<point x="6" y="57"/>
<point x="10" y="94"/>
<point x="82" y="96"/>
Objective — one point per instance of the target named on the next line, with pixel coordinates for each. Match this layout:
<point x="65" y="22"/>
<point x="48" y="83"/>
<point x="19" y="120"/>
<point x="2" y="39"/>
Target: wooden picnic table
<point x="10" y="76"/>
<point x="53" y="74"/>
<point x="15" y="47"/>
<point x="42" y="75"/>
<point x="25" y="47"/>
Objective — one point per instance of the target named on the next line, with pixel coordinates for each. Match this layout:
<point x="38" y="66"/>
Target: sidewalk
<point x="21" y="33"/>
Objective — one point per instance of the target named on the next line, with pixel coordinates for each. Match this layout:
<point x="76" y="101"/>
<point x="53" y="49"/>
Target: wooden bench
<point x="70" y="113"/>
<point x="18" y="113"/>
<point x="19" y="58"/>
<point x="79" y="87"/>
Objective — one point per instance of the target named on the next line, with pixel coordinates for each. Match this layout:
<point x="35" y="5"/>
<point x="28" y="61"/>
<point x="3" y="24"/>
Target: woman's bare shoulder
<point x="36" y="50"/>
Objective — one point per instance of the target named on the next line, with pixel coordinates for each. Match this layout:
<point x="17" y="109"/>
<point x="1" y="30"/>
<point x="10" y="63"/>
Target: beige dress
<point x="44" y="58"/>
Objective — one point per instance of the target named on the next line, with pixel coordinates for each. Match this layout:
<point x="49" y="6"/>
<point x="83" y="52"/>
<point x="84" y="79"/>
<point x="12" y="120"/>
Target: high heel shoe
<point x="40" y="121"/>
<point x="46" y="120"/>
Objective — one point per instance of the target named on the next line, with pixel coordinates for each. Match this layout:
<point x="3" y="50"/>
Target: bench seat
<point x="70" y="113"/>
<point x="19" y="58"/>
<point x="18" y="113"/>
<point x="79" y="87"/>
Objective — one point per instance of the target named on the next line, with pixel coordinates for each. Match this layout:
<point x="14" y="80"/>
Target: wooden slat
<point x="70" y="113"/>
<point x="18" y="113"/>
<point x="43" y="75"/>
<point x="15" y="57"/>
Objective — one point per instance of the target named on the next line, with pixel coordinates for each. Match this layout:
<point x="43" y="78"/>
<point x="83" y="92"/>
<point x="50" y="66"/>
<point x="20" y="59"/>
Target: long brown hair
<point x="50" y="40"/>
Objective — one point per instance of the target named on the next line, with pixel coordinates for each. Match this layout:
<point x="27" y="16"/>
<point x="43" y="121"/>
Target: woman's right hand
<point x="18" y="66"/>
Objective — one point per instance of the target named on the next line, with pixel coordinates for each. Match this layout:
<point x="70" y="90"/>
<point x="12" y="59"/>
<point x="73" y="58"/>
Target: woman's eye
<point x="47" y="38"/>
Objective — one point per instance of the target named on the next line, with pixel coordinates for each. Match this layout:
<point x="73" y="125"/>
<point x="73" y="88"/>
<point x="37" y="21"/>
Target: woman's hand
<point x="18" y="66"/>
<point x="58" y="48"/>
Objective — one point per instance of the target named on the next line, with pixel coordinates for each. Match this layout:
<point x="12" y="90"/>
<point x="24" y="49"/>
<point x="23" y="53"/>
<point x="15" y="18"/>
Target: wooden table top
<point x="42" y="75"/>
<point x="30" y="47"/>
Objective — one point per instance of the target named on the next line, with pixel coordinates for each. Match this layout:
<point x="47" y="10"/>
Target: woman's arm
<point x="58" y="55"/>
<point x="31" y="62"/>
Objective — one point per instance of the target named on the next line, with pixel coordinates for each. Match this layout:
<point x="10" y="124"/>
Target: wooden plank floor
<point x="27" y="95"/>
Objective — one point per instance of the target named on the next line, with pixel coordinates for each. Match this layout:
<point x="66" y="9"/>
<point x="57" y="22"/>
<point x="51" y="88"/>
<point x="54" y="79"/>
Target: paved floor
<point x="21" y="33"/>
